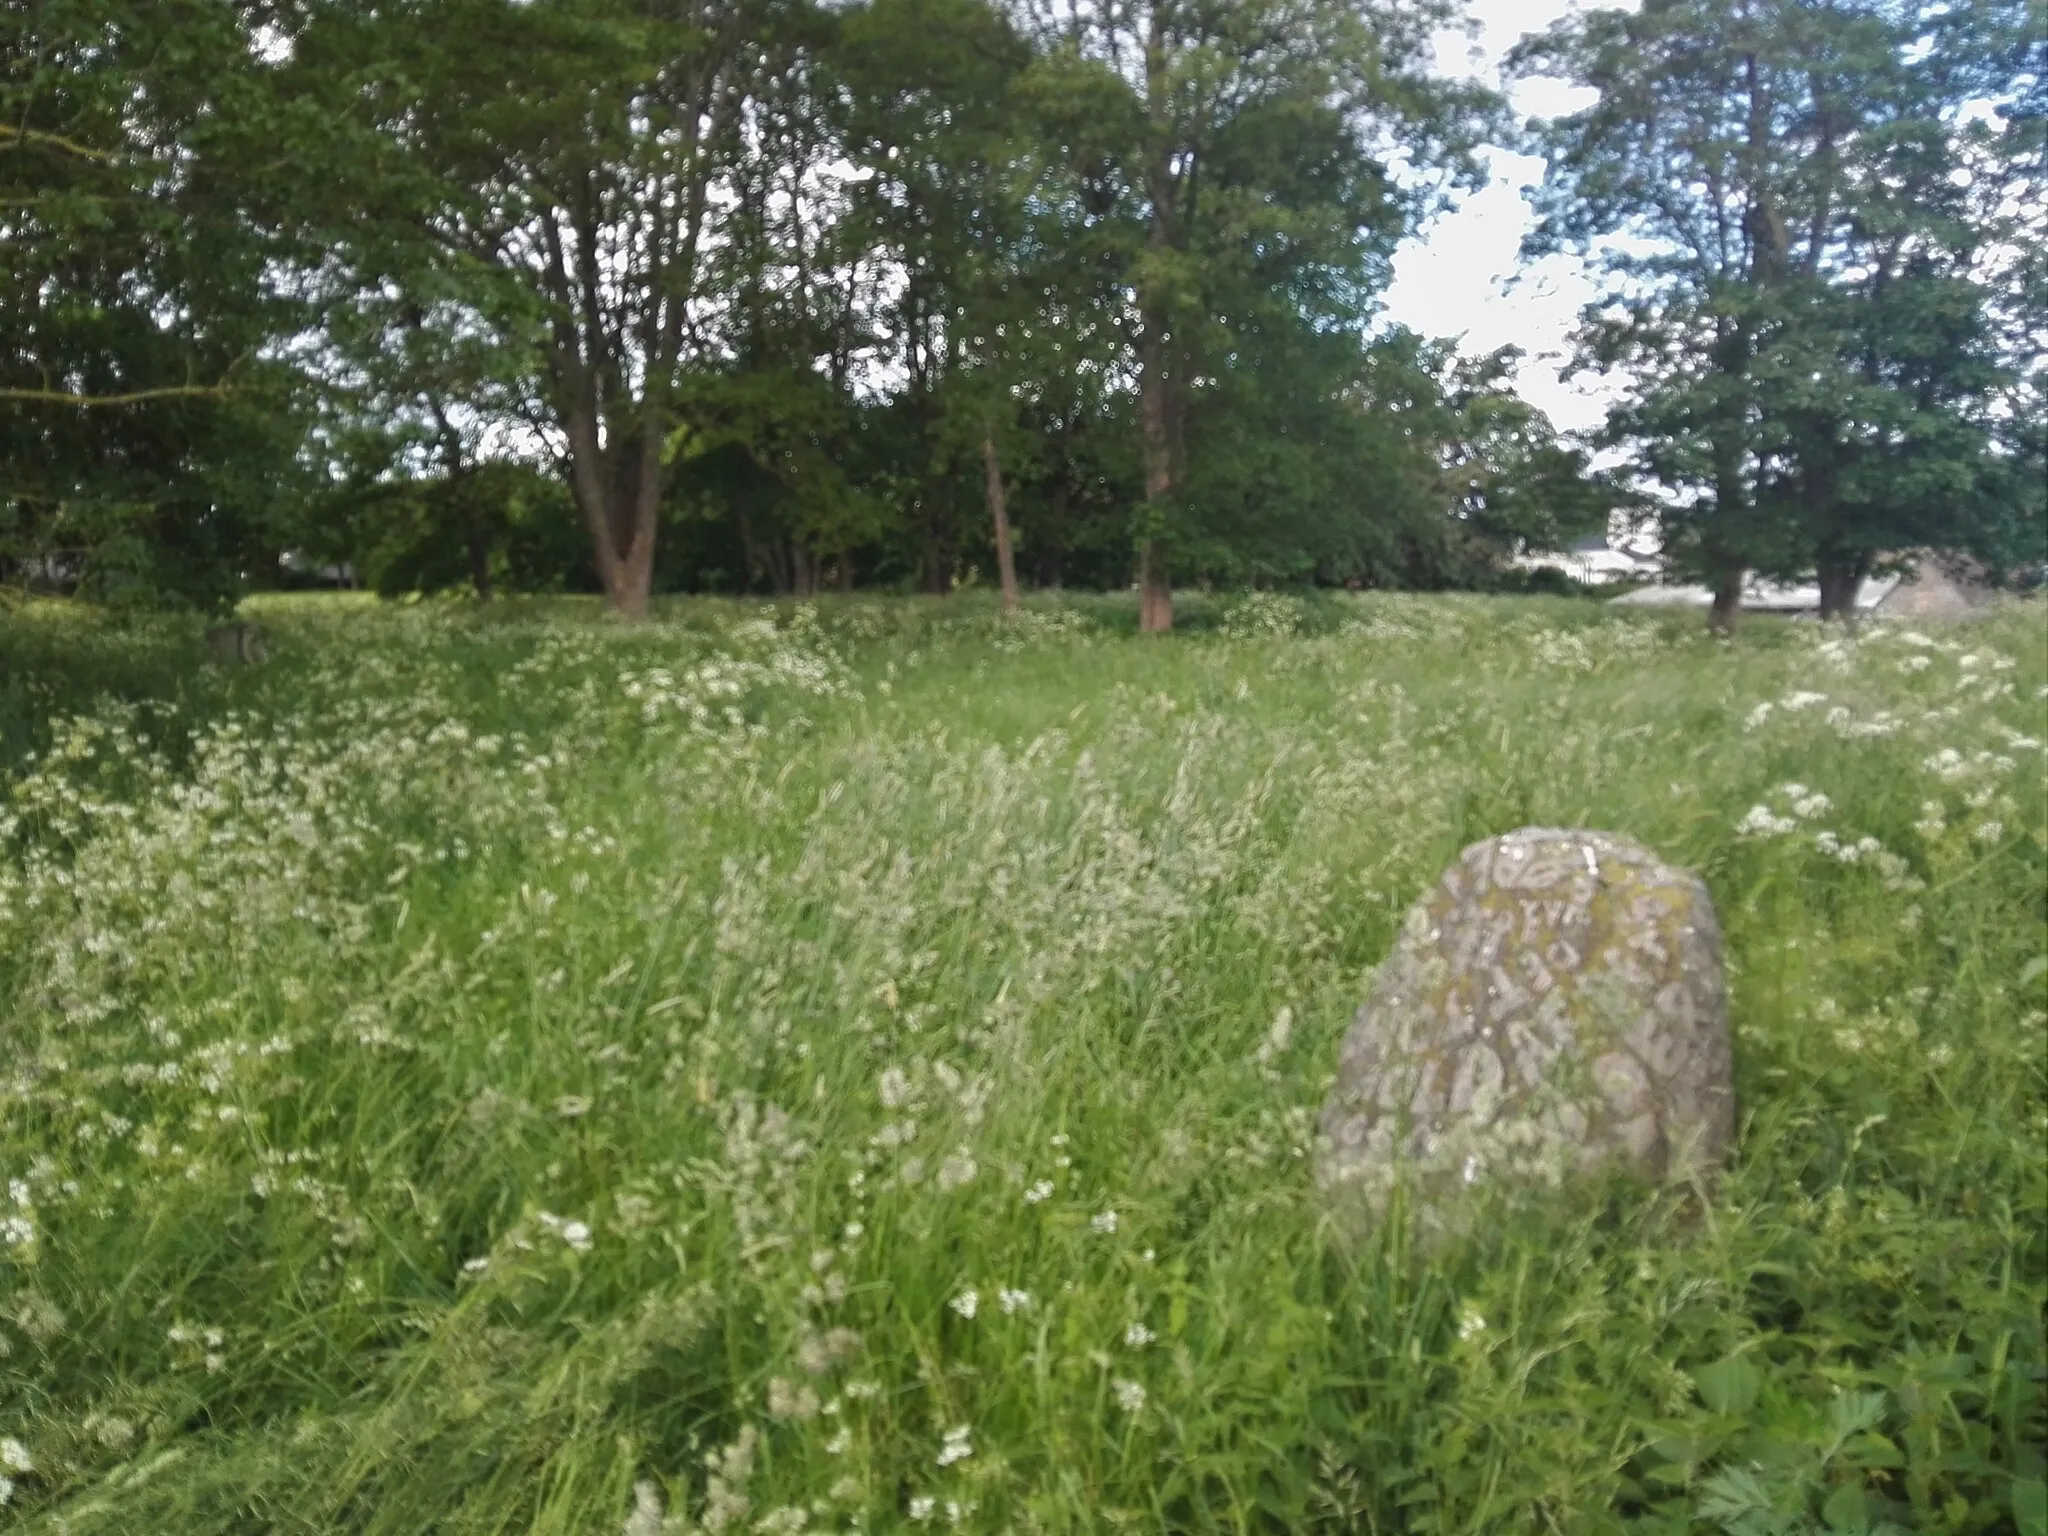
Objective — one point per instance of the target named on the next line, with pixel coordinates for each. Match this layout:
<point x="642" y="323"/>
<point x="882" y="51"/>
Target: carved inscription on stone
<point x="1555" y="1004"/>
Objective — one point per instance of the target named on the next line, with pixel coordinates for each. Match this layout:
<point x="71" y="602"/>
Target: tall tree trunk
<point x="803" y="570"/>
<point x="617" y="487"/>
<point x="456" y="467"/>
<point x="938" y="542"/>
<point x="1155" y="592"/>
<point x="479" y="551"/>
<point x="842" y="572"/>
<point x="998" y="509"/>
<point x="1157" y="397"/>
<point x="1727" y="606"/>
<point x="1841" y="580"/>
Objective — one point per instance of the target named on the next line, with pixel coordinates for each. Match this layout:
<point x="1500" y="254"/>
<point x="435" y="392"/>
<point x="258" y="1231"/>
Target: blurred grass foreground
<point x="850" y="1068"/>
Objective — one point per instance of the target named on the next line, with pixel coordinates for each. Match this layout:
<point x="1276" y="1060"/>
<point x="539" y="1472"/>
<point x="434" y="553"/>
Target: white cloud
<point x="1463" y="275"/>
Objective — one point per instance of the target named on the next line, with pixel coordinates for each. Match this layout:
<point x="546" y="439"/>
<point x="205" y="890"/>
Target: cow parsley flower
<point x="1104" y="1221"/>
<point x="958" y="1445"/>
<point x="1762" y="821"/>
<point x="647" y="1518"/>
<point x="1130" y="1395"/>
<point x="967" y="1303"/>
<point x="1012" y="1301"/>
<point x="575" y="1233"/>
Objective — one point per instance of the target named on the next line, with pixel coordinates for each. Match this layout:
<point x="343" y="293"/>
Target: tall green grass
<point x="853" y="1067"/>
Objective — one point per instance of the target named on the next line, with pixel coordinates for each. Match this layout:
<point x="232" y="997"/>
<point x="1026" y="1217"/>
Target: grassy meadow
<point x="853" y="1066"/>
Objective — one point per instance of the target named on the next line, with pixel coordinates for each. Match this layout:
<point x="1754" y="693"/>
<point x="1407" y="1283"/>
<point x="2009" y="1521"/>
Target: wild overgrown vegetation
<point x="850" y="1067"/>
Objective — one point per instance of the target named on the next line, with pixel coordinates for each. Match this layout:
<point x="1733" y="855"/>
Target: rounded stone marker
<point x="1556" y="1004"/>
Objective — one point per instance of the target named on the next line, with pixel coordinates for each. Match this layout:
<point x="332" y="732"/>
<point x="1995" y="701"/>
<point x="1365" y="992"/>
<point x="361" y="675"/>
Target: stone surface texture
<point x="1556" y="1004"/>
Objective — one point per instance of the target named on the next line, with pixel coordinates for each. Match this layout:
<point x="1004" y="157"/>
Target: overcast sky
<point x="1463" y="276"/>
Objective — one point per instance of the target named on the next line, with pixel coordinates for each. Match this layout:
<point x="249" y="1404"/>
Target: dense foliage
<point x="778" y="295"/>
<point x="150" y="440"/>
<point x="1824" y="227"/>
<point x="857" y="1074"/>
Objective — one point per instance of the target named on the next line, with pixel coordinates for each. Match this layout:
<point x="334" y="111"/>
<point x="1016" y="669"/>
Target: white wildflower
<point x="1042" y="1190"/>
<point x="1947" y="764"/>
<point x="1137" y="1336"/>
<point x="922" y="1506"/>
<point x="894" y="1088"/>
<point x="791" y="1400"/>
<point x="1794" y="702"/>
<point x="1471" y="1324"/>
<point x="1104" y="1221"/>
<point x="646" y="1519"/>
<point x="14" y="1456"/>
<point x="1279" y="1037"/>
<point x="1987" y="831"/>
<point x="967" y="1303"/>
<point x="1807" y="803"/>
<point x="1013" y="1301"/>
<point x="1762" y="821"/>
<point x="572" y="1105"/>
<point x="575" y="1233"/>
<point x="1757" y="717"/>
<point x="955" y="1171"/>
<point x="1130" y="1395"/>
<point x="958" y="1446"/>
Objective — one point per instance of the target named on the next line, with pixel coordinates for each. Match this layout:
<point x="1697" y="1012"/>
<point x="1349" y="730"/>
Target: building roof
<point x="1759" y="596"/>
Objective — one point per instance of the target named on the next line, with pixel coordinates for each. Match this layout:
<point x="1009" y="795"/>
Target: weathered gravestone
<point x="1555" y="1005"/>
<point x="236" y="644"/>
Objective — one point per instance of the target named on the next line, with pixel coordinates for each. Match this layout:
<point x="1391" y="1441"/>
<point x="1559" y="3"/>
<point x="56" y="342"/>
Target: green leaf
<point x="1729" y="1386"/>
<point x="1847" y="1509"/>
<point x="2030" y="1506"/>
<point x="1872" y="1450"/>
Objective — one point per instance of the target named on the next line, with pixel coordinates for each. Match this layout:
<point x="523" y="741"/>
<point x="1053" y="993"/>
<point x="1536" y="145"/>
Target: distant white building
<point x="1759" y="596"/>
<point x="1940" y="586"/>
<point x="1600" y="559"/>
